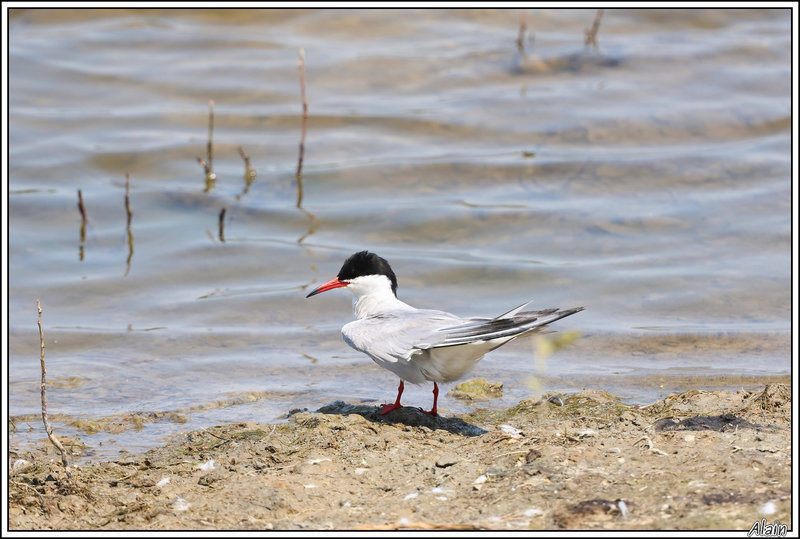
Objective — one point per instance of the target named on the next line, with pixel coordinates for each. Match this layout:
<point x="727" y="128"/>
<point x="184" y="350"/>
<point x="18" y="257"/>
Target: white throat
<point x="374" y="296"/>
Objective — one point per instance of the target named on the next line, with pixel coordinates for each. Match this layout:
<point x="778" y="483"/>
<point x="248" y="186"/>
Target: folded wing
<point x="511" y="324"/>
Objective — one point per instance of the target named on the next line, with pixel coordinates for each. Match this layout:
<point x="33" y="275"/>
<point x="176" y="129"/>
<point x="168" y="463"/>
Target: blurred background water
<point x="647" y="178"/>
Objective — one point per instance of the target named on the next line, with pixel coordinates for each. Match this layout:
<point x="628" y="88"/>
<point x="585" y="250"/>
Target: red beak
<point x="330" y="285"/>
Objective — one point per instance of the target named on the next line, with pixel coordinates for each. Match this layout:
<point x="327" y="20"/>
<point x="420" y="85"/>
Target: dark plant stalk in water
<point x="591" y="34"/>
<point x="222" y="225"/>
<point x="249" y="171"/>
<point x="208" y="163"/>
<point x="130" y="218"/>
<point x="82" y="209"/>
<point x="301" y="61"/>
<point x="523" y="31"/>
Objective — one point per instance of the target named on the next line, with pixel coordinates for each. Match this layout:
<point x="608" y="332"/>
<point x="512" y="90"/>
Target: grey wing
<point x="508" y="325"/>
<point x="394" y="338"/>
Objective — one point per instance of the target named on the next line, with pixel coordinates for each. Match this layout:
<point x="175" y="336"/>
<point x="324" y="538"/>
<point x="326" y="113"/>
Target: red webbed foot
<point x="432" y="411"/>
<point x="389" y="407"/>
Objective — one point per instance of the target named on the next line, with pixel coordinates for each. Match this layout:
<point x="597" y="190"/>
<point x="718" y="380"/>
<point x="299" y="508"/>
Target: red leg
<point x="389" y="407"/>
<point x="435" y="398"/>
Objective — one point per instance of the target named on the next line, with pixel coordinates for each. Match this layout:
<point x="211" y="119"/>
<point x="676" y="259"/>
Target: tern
<point x="422" y="345"/>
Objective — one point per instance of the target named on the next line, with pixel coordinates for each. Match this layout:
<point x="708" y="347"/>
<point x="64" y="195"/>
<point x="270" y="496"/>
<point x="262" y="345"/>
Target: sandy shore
<point x="696" y="460"/>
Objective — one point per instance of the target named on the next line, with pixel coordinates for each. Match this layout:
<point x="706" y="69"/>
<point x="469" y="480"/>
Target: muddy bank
<point x="697" y="460"/>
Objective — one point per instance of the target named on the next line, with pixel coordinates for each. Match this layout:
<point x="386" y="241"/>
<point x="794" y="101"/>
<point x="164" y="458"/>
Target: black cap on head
<point x="366" y="263"/>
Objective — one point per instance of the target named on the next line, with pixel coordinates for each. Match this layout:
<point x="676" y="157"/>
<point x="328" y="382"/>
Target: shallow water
<point x="648" y="180"/>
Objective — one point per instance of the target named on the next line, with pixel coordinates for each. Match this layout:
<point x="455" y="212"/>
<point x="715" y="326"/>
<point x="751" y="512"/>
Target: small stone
<point x="447" y="460"/>
<point x="210" y="478"/>
<point x="557" y="400"/>
<point x="532" y="455"/>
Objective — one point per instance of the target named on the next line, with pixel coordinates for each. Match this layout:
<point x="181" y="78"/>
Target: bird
<point x="422" y="345"/>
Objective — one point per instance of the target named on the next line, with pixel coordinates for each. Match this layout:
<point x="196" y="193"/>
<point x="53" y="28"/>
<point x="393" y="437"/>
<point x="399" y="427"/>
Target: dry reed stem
<point x="591" y="34"/>
<point x="301" y="63"/>
<point x="211" y="178"/>
<point x="208" y="162"/>
<point x="210" y="145"/>
<point x="128" y="227"/>
<point x="523" y="31"/>
<point x="249" y="171"/>
<point x="82" y="209"/>
<point x="222" y="225"/>
<point x="128" y="198"/>
<point x="48" y="429"/>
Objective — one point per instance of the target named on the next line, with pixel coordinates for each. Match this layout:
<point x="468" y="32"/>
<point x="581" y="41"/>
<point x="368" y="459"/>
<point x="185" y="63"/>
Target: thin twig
<point x="210" y="146"/>
<point x="249" y="171"/>
<point x="591" y="34"/>
<point x="204" y="164"/>
<point x="523" y="32"/>
<point x="224" y="440"/>
<point x="82" y="209"/>
<point x="128" y="197"/>
<point x="404" y="525"/>
<point x="208" y="162"/>
<point x="222" y="225"/>
<point x="210" y="176"/>
<point x="301" y="65"/>
<point x="128" y="227"/>
<point x="48" y="429"/>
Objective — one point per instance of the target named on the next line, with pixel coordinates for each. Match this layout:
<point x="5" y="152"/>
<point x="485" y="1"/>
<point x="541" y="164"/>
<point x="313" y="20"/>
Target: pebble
<point x="557" y="400"/>
<point x="447" y="460"/>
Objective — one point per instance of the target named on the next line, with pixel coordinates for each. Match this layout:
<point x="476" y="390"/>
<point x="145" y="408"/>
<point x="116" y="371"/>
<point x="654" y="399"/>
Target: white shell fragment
<point x="511" y="431"/>
<point x="768" y="508"/>
<point x="207" y="466"/>
<point x="180" y="505"/>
